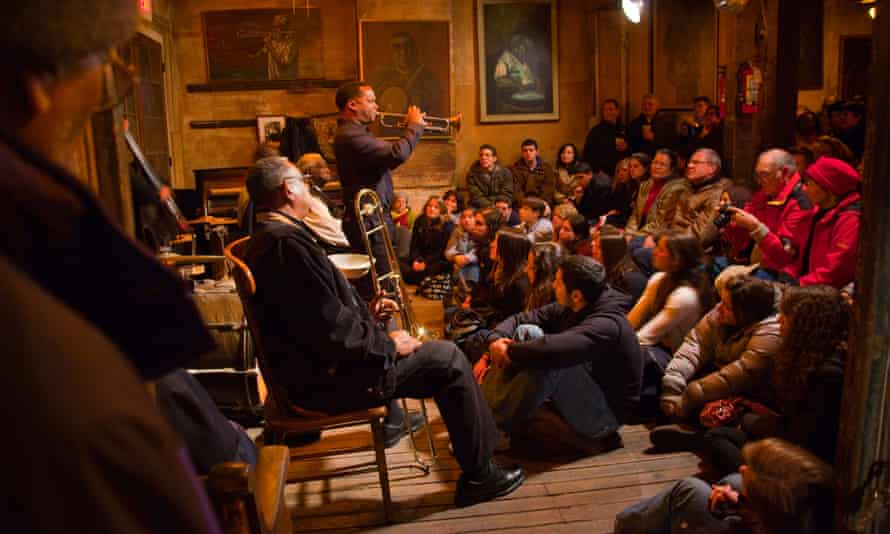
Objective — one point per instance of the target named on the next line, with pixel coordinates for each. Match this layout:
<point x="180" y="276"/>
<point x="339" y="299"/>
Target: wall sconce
<point x="632" y="9"/>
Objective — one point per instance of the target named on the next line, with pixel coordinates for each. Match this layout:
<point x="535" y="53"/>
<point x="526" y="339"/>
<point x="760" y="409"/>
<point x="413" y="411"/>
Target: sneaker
<point x="675" y="438"/>
<point x="393" y="434"/>
<point x="499" y="482"/>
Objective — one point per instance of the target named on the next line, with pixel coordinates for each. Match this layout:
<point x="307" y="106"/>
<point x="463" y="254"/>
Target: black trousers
<point x="438" y="369"/>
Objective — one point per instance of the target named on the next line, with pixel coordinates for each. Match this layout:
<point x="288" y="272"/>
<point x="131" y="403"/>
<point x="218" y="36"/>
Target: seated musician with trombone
<point x="333" y="353"/>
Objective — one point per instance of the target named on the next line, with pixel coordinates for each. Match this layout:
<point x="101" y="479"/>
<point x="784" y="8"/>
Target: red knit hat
<point x="833" y="175"/>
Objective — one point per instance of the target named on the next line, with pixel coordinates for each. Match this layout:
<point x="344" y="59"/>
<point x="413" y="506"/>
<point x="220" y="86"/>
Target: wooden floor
<point x="558" y="496"/>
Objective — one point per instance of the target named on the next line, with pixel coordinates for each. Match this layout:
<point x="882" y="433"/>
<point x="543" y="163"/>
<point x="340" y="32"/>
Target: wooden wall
<point x="436" y="165"/>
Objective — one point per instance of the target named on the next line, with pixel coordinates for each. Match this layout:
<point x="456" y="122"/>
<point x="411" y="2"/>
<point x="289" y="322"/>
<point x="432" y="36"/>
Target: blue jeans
<point x="515" y="393"/>
<point x="683" y="508"/>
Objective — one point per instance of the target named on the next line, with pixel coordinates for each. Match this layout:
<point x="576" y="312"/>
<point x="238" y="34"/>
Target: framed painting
<point x="269" y="128"/>
<point x="684" y="51"/>
<point x="407" y="63"/>
<point x="263" y="44"/>
<point x="518" y="60"/>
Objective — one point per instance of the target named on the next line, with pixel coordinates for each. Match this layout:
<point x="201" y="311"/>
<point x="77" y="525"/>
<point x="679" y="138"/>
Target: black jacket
<point x="599" y="337"/>
<point x="366" y="161"/>
<point x="320" y="340"/>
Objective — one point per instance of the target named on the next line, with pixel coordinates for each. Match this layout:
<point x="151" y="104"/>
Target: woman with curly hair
<point x="543" y="260"/>
<point x="807" y="379"/>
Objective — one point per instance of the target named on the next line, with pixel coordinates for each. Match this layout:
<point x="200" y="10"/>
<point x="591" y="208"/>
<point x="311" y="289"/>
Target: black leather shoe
<point x="393" y="434"/>
<point x="500" y="482"/>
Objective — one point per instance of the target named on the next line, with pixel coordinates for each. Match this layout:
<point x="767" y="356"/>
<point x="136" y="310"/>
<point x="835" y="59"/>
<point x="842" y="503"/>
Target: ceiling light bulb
<point x="632" y="9"/>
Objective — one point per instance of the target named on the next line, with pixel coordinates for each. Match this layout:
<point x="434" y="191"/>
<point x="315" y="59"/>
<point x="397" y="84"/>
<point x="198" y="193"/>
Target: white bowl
<point x="351" y="265"/>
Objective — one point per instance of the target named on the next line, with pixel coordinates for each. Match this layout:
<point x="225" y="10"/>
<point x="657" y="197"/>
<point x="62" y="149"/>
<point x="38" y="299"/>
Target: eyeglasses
<point x="763" y="175"/>
<point x="115" y="69"/>
<point x="700" y="162"/>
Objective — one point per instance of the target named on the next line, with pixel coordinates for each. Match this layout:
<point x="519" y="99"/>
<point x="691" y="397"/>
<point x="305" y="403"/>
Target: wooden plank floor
<point x="558" y="496"/>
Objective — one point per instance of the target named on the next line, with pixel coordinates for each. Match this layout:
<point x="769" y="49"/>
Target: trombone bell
<point x="433" y="124"/>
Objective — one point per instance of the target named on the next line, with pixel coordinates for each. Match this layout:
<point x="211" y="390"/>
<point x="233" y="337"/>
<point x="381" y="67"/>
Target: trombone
<point x="433" y="124"/>
<point x="369" y="209"/>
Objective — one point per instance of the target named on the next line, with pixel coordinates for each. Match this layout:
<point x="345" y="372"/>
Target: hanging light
<point x="871" y="7"/>
<point x="632" y="9"/>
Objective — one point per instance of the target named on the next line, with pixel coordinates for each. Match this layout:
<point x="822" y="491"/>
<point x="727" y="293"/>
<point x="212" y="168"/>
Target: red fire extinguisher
<point x="750" y="82"/>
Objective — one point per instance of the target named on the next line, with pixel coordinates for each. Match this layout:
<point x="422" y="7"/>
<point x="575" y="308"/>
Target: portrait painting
<point x="518" y="66"/>
<point x="269" y="128"/>
<point x="263" y="44"/>
<point x="407" y="63"/>
<point x="685" y="44"/>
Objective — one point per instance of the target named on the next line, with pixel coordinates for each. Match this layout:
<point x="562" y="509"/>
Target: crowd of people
<point x="592" y="301"/>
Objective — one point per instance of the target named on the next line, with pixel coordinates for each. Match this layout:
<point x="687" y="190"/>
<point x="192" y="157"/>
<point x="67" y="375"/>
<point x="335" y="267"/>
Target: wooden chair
<point x="283" y="417"/>
<point x="251" y="501"/>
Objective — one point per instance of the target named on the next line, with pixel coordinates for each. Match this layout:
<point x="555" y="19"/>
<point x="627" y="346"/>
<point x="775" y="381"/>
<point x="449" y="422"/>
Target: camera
<point x="724" y="217"/>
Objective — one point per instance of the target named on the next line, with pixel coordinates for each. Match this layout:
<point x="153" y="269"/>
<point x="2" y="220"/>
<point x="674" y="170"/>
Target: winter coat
<point x="485" y="186"/>
<point x="788" y="214"/>
<point x="743" y="361"/>
<point x="697" y="208"/>
<point x="539" y="181"/>
<point x="822" y="247"/>
<point x="662" y="211"/>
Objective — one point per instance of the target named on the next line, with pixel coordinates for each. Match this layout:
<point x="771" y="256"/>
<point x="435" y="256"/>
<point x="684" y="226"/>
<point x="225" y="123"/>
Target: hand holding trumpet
<point x="414" y="116"/>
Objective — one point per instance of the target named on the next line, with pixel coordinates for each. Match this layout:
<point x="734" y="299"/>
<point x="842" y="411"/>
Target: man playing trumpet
<point x="366" y="161"/>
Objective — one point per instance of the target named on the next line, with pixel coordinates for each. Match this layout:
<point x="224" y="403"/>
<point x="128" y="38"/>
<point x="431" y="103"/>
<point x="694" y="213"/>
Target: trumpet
<point x="433" y="124"/>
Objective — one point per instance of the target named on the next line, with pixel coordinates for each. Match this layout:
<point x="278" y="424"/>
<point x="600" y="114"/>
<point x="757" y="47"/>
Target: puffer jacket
<point x="743" y="362"/>
<point x="485" y="186"/>
<point x="697" y="209"/>
<point x="662" y="211"/>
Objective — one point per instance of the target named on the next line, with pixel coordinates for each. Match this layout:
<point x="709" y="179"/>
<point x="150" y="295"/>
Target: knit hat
<point x="48" y="34"/>
<point x="833" y="175"/>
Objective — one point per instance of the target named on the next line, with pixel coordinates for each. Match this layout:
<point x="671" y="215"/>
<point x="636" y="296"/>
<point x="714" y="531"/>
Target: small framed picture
<point x="269" y="128"/>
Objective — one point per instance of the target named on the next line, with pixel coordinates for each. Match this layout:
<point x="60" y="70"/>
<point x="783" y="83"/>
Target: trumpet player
<point x="363" y="160"/>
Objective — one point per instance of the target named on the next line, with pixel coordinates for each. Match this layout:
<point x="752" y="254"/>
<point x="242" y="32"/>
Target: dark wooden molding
<point x="263" y="85"/>
<point x="231" y="123"/>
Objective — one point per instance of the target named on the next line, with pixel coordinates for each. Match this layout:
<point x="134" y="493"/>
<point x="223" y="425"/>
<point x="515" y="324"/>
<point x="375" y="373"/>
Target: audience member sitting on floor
<point x="596" y="192"/>
<point x="508" y="284"/>
<point x="508" y="214"/>
<point x="657" y="200"/>
<point x="328" y="228"/>
<point x="574" y="236"/>
<point x="822" y="249"/>
<point x="462" y="249"/>
<point x="580" y="353"/>
<point x="340" y="357"/>
<point x="675" y="299"/>
<point x="622" y="272"/>
<point x="781" y="489"/>
<point x="623" y="193"/>
<point x="401" y="211"/>
<point x="773" y="216"/>
<point x="561" y="212"/>
<point x="729" y="352"/>
<point x="453" y="207"/>
<point x="543" y="260"/>
<point x="487" y="180"/>
<point x="698" y="205"/>
<point x="807" y="379"/>
<point x="566" y="159"/>
<point x="532" y="176"/>
<point x="535" y="225"/>
<point x="426" y="256"/>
